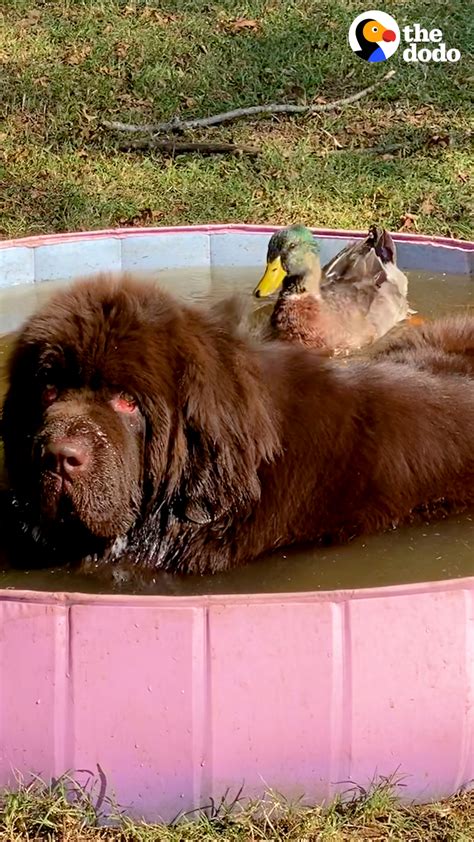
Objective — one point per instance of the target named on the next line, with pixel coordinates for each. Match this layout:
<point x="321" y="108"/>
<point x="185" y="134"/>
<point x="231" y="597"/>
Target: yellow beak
<point x="272" y="279"/>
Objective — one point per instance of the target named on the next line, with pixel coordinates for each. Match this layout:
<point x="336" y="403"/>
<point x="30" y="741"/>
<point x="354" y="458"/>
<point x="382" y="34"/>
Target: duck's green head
<point x="291" y="252"/>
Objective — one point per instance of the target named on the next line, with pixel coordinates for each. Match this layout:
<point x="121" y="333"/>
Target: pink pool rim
<point x="180" y="699"/>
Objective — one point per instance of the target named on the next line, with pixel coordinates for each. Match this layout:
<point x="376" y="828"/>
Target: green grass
<point x="70" y="64"/>
<point x="63" y="811"/>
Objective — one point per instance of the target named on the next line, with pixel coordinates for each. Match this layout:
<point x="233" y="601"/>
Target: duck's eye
<point x="375" y="29"/>
<point x="49" y="395"/>
<point x="123" y="402"/>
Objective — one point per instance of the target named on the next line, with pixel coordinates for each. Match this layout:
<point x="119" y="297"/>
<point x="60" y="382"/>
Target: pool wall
<point x="183" y="699"/>
<point x="180" y="699"/>
<point x="62" y="257"/>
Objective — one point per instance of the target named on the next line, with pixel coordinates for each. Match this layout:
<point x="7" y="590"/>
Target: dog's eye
<point x="123" y="402"/>
<point x="49" y="395"/>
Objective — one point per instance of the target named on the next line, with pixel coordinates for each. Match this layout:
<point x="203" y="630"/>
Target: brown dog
<point x="445" y="345"/>
<point x="136" y="426"/>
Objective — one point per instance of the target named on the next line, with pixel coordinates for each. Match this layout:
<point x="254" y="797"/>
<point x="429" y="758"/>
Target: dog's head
<point x="121" y="401"/>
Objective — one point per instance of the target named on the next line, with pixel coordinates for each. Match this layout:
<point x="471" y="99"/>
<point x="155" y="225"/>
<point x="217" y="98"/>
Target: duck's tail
<point x="382" y="243"/>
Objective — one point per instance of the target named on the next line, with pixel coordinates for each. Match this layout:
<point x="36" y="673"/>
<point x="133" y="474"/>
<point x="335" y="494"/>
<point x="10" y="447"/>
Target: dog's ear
<point x="227" y="428"/>
<point x="210" y="419"/>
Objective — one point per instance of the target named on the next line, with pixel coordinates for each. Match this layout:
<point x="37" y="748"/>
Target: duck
<point x="355" y="299"/>
<point x="370" y="33"/>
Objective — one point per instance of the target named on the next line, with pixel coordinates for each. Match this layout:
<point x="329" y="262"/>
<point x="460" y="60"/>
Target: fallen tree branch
<point x="173" y="147"/>
<point x="176" y="124"/>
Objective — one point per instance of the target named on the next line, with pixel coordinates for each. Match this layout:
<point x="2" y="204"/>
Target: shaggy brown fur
<point x="441" y="346"/>
<point x="232" y="448"/>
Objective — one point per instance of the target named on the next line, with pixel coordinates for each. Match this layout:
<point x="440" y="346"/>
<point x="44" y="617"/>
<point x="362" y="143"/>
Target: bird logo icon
<point x="374" y="36"/>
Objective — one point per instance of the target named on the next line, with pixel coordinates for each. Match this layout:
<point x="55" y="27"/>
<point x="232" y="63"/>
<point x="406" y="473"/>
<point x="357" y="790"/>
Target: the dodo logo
<point x="374" y="36"/>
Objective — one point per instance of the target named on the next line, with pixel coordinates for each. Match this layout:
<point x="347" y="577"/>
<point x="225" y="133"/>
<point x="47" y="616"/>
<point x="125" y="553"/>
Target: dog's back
<point x="368" y="445"/>
<point x="444" y="345"/>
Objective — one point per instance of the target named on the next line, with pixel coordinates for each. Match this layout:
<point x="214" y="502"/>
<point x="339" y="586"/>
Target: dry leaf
<point x="76" y="55"/>
<point x="130" y="99"/>
<point x="240" y="25"/>
<point x="408" y="221"/>
<point x="439" y="140"/>
<point x="244" y="23"/>
<point x="463" y="176"/>
<point x="31" y="18"/>
<point x="427" y="206"/>
<point x="121" y="49"/>
<point x="415" y="119"/>
<point x="161" y="18"/>
<point x="143" y="217"/>
<point x="107" y="71"/>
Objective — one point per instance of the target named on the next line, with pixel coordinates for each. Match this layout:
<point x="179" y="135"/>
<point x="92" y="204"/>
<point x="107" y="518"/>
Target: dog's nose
<point x="67" y="457"/>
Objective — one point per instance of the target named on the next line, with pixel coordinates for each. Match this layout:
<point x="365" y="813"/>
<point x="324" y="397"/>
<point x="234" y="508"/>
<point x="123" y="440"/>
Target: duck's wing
<point x="345" y="266"/>
<point x="362" y="260"/>
<point x="362" y="276"/>
<point x="364" y="265"/>
<point x="386" y="250"/>
<point x="372" y="295"/>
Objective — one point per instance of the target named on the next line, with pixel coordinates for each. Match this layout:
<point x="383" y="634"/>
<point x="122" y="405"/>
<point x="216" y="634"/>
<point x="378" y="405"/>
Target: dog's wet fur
<point x="138" y="426"/>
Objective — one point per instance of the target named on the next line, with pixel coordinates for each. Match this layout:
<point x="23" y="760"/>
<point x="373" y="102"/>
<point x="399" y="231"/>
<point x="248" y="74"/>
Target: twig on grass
<point x="177" y="125"/>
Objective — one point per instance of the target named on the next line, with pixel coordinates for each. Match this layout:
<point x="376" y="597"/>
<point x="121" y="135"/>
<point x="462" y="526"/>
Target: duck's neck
<point x="307" y="280"/>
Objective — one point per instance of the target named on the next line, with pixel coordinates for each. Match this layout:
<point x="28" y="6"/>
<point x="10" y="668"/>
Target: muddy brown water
<point x="420" y="553"/>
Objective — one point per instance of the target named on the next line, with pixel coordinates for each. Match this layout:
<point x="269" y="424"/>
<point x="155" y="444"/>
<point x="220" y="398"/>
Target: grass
<point x="69" y="64"/>
<point x="64" y="811"/>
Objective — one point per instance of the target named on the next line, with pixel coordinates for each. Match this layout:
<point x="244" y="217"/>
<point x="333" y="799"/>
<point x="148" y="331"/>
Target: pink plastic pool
<point x="183" y="698"/>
